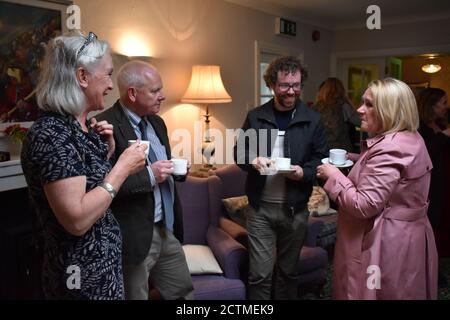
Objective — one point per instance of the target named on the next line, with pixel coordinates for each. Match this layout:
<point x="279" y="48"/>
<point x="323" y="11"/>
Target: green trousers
<point x="275" y="238"/>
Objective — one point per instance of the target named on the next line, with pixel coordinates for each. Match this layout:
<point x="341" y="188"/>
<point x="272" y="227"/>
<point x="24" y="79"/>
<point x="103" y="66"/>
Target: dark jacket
<point x="305" y="143"/>
<point x="134" y="205"/>
<point x="437" y="145"/>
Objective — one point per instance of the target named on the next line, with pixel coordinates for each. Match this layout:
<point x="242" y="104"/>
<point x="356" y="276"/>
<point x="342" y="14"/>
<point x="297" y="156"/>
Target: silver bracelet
<point x="109" y="188"/>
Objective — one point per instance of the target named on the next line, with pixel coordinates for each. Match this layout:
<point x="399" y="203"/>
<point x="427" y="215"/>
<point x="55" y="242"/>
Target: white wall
<point x="414" y="34"/>
<point x="398" y="40"/>
<point x="181" y="33"/>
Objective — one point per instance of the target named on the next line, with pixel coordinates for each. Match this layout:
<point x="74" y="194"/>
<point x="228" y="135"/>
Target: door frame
<point x="344" y="63"/>
<point x="382" y="53"/>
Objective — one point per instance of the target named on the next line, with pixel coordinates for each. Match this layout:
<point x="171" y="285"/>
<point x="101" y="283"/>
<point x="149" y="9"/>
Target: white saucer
<point x="285" y="170"/>
<point x="347" y="163"/>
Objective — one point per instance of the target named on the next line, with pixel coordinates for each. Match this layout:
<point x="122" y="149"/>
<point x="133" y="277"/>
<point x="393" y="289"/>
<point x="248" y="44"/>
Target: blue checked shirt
<point x="160" y="153"/>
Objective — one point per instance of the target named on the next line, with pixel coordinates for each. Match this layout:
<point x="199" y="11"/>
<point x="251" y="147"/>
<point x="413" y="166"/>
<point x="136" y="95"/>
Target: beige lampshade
<point x="206" y="86"/>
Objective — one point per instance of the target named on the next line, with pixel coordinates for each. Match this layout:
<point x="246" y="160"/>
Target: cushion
<point x="312" y="258"/>
<point x="319" y="203"/>
<point x="237" y="209"/>
<point x="201" y="260"/>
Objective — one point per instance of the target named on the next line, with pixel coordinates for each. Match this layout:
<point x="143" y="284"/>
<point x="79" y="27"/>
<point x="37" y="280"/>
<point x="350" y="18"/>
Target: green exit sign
<point x="285" y="27"/>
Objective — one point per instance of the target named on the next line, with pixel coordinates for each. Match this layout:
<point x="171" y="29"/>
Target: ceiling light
<point x="431" y="67"/>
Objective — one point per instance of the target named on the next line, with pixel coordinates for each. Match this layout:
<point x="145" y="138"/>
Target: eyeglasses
<point x="284" y="87"/>
<point x="91" y="36"/>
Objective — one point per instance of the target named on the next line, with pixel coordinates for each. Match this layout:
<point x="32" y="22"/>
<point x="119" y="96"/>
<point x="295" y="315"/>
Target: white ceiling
<point x="341" y="14"/>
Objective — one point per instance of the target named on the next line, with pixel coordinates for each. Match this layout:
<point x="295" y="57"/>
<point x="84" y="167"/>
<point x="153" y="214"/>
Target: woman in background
<point x="70" y="180"/>
<point x="338" y="114"/>
<point x="433" y="110"/>
<point x="385" y="246"/>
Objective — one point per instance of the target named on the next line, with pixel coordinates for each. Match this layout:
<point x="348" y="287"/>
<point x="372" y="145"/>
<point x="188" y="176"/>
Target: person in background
<point x="70" y="180"/>
<point x="433" y="110"/>
<point x="385" y="247"/>
<point x="338" y="114"/>
<point x="147" y="207"/>
<point x="277" y="222"/>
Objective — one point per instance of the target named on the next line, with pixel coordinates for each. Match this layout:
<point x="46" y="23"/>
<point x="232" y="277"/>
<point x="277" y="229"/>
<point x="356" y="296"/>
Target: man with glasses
<point x="283" y="127"/>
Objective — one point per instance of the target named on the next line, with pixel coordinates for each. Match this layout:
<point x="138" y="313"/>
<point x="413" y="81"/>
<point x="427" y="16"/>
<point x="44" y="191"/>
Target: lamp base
<point x="208" y="150"/>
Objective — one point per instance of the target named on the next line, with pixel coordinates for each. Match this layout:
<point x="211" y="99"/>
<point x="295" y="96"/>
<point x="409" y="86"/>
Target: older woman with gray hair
<point x="71" y="182"/>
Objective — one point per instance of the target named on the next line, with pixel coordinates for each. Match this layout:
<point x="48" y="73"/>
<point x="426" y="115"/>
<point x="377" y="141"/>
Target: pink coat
<point x="385" y="246"/>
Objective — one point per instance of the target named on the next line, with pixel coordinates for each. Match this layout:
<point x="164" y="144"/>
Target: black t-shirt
<point x="283" y="118"/>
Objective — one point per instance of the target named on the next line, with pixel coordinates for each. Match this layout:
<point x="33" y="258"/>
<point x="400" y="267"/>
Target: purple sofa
<point x="313" y="259"/>
<point x="201" y="202"/>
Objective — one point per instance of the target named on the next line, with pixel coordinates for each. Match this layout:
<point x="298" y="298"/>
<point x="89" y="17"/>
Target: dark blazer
<point x="134" y="204"/>
<point x="304" y="142"/>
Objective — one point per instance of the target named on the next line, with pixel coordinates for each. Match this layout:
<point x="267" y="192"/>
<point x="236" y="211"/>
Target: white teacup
<point x="130" y="142"/>
<point x="338" y="156"/>
<point x="179" y="166"/>
<point x="283" y="163"/>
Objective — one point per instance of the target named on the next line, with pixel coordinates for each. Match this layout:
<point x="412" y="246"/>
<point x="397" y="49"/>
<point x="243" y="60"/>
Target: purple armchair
<point x="313" y="260"/>
<point x="201" y="202"/>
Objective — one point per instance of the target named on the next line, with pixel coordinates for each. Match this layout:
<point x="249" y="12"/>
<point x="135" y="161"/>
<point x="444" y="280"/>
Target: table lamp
<point x="206" y="87"/>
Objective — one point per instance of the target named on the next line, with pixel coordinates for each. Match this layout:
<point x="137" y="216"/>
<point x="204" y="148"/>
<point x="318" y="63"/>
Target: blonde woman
<point x="385" y="246"/>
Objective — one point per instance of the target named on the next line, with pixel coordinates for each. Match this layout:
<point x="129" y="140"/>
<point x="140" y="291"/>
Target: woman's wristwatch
<point x="109" y="188"/>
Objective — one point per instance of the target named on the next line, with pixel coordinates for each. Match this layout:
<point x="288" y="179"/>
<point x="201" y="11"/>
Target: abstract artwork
<point x="25" y="29"/>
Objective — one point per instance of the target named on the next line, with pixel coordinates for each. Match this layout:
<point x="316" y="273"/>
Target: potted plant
<point x="16" y="132"/>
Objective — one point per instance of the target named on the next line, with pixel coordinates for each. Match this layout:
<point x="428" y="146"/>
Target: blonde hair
<point x="395" y="105"/>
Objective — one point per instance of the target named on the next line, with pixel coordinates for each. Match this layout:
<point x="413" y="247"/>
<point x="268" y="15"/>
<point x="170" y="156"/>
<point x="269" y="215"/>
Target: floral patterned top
<point x="74" y="267"/>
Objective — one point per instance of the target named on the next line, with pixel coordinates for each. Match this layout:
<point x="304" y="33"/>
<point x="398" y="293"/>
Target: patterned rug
<point x="443" y="293"/>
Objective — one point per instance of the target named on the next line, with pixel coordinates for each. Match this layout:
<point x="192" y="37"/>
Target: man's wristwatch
<point x="108" y="187"/>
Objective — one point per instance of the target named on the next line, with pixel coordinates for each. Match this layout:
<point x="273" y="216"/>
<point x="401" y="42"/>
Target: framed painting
<point x="25" y="28"/>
